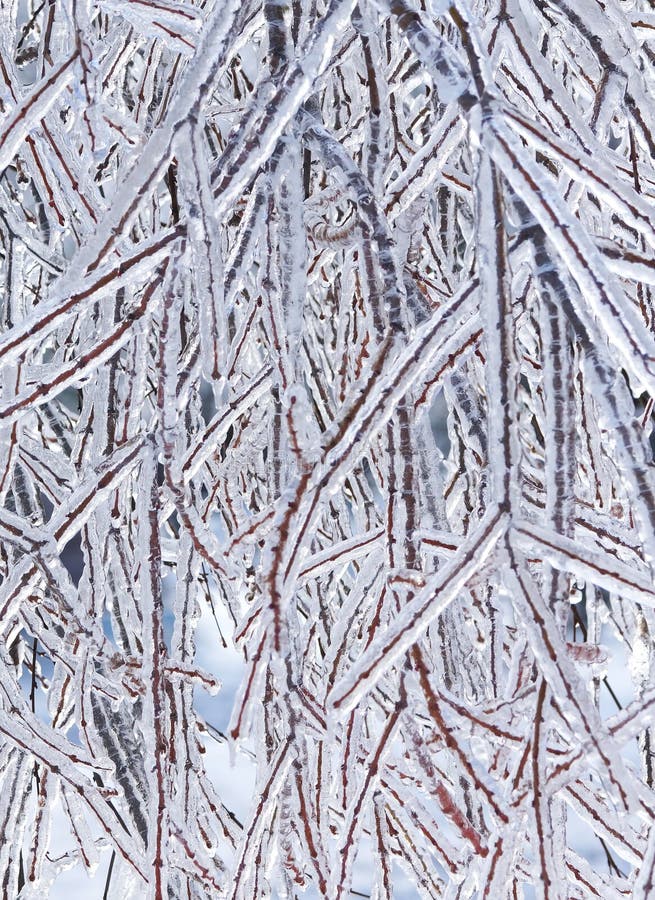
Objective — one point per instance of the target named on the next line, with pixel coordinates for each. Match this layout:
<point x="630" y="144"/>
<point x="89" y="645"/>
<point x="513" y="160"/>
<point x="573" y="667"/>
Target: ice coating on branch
<point x="327" y="511"/>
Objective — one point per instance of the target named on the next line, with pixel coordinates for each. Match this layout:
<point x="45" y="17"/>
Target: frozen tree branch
<point x="326" y="458"/>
